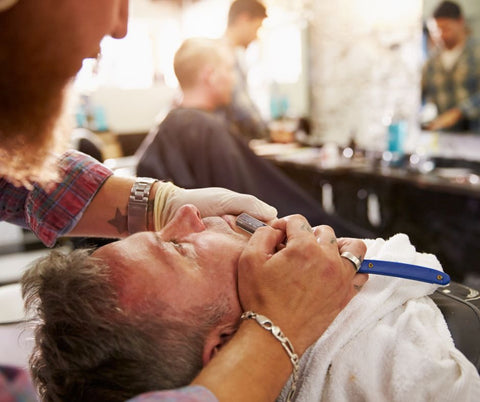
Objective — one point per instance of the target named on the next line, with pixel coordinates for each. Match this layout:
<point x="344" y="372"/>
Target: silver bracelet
<point x="287" y="345"/>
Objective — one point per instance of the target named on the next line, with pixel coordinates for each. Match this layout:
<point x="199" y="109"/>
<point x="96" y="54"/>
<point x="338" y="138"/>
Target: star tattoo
<point x="119" y="222"/>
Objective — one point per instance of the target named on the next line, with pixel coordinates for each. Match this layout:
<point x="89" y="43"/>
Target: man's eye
<point x="179" y="247"/>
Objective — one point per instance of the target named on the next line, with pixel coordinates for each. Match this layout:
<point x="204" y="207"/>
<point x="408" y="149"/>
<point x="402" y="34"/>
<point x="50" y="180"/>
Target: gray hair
<point x="88" y="348"/>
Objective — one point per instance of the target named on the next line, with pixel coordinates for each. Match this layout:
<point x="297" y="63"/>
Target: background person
<point x="451" y="76"/>
<point x="245" y="17"/>
<point x="168" y="301"/>
<point x="194" y="147"/>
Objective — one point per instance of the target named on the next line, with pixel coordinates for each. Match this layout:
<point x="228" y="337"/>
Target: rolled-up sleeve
<point x="54" y="210"/>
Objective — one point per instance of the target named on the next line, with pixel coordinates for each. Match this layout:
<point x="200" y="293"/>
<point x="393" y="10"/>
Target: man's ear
<point x="209" y="75"/>
<point x="215" y="341"/>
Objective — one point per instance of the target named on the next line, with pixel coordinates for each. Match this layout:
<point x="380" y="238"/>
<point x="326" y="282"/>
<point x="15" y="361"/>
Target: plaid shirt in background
<point x="456" y="88"/>
<point x="50" y="214"/>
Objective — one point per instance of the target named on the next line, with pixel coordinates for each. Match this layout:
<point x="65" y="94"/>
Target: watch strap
<point x="137" y="208"/>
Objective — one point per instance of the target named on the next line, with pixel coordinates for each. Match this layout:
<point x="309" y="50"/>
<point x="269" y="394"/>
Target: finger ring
<point x="354" y="260"/>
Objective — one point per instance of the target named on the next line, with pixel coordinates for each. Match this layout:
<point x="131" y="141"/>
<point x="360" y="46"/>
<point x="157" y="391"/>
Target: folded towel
<point x="391" y="343"/>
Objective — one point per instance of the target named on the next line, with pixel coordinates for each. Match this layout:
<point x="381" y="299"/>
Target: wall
<point x="365" y="63"/>
<point x="136" y="81"/>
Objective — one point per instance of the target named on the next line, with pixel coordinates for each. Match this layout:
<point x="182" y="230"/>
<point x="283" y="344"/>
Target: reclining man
<point x="195" y="147"/>
<point x="147" y="312"/>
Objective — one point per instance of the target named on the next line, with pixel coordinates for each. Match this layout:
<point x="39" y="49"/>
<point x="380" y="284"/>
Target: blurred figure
<point x="451" y="76"/>
<point x="245" y="18"/>
<point x="194" y="147"/>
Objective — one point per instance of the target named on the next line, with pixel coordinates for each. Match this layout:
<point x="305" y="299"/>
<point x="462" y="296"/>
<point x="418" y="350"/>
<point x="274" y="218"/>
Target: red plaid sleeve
<point x="52" y="213"/>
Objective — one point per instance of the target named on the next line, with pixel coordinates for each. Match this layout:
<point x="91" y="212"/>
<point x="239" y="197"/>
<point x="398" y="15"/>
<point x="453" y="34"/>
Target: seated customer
<point x="194" y="147"/>
<point x="149" y="311"/>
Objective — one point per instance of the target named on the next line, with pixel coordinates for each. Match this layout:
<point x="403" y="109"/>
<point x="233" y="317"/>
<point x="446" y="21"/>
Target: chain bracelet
<point x="267" y="324"/>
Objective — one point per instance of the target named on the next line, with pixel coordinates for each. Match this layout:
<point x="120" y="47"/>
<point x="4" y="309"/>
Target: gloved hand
<point x="210" y="201"/>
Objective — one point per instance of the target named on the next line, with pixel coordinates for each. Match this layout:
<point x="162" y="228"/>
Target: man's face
<point x="59" y="35"/>
<point x="224" y="78"/>
<point x="450" y="31"/>
<point x="250" y="27"/>
<point x="43" y="44"/>
<point x="192" y="262"/>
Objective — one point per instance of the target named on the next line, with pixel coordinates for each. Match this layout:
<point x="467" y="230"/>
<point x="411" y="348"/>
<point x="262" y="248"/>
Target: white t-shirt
<point x="450" y="56"/>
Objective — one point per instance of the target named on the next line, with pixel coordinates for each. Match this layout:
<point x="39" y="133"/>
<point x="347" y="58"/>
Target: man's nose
<point x="187" y="220"/>
<point x="120" y="28"/>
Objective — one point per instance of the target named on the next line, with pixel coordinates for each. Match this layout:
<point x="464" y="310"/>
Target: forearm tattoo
<point x="119" y="222"/>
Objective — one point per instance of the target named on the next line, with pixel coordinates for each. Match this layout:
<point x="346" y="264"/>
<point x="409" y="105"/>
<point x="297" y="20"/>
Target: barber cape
<point x="391" y="343"/>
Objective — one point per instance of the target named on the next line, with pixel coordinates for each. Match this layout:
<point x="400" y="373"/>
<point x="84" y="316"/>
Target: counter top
<point x="438" y="209"/>
<point x="453" y="179"/>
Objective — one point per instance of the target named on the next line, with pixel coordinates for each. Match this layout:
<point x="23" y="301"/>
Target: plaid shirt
<point x="457" y="88"/>
<point x="193" y="393"/>
<point x="53" y="212"/>
<point x="16" y="386"/>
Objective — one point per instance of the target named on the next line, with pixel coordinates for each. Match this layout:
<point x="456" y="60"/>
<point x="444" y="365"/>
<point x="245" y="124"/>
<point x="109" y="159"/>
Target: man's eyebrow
<point x="162" y="245"/>
<point x="159" y="239"/>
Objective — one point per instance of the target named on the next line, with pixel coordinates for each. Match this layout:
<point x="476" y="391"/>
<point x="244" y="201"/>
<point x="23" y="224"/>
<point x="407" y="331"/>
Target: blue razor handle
<point x="376" y="267"/>
<point x="401" y="270"/>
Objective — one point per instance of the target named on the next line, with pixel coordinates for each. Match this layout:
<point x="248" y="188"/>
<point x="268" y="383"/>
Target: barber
<point x="42" y="45"/>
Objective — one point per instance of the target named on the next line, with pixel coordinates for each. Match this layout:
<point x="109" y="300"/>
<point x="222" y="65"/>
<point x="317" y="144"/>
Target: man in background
<point x="194" y="147"/>
<point x="245" y="17"/>
<point x="451" y="77"/>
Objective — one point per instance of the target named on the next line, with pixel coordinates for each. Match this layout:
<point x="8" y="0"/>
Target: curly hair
<point x="87" y="348"/>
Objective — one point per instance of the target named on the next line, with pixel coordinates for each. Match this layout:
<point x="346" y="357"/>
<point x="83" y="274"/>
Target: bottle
<point x="397" y="131"/>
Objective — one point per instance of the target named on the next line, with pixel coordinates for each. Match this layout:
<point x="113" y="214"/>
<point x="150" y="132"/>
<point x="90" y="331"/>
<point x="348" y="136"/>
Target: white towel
<point x="391" y="343"/>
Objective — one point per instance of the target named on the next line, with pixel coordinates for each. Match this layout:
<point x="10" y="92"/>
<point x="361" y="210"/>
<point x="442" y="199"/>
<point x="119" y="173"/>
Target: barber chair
<point x="460" y="305"/>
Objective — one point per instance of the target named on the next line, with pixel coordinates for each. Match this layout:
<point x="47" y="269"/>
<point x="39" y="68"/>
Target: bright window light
<point x="126" y="63"/>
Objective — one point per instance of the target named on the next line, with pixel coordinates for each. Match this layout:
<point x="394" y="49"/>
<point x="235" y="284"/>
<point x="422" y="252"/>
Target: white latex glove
<point x="210" y="201"/>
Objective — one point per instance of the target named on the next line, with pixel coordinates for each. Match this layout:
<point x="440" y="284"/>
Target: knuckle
<point x="247" y="258"/>
<point x="361" y="246"/>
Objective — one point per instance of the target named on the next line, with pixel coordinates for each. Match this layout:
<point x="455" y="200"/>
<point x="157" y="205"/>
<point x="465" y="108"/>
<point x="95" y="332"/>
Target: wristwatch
<point x="138" y="204"/>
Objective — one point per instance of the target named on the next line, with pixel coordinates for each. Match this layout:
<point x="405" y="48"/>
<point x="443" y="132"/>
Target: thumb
<point x="230" y="202"/>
